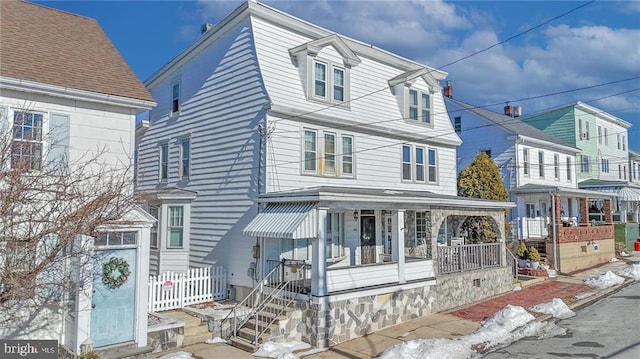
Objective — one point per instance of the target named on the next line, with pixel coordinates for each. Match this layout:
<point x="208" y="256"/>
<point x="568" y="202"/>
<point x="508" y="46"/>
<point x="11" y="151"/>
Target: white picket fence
<point x="176" y="290"/>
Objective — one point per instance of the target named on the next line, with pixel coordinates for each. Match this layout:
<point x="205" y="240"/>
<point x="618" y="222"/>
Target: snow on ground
<point x="280" y="350"/>
<point x="556" y="307"/>
<point x="215" y="340"/>
<point x="603" y="281"/>
<point x="177" y="355"/>
<point x="508" y="325"/>
<point x="581" y="296"/>
<point x="631" y="271"/>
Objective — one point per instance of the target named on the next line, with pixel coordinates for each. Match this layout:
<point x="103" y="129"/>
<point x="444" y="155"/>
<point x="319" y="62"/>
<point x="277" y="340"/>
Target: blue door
<point x="113" y="309"/>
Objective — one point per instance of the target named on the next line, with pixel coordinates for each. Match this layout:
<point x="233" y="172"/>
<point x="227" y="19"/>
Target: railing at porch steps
<point x="514" y="263"/>
<point x="273" y="283"/>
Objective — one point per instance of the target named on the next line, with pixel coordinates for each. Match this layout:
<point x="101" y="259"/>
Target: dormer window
<point x="329" y="82"/>
<point x="419" y="106"/>
<point x="324" y="80"/>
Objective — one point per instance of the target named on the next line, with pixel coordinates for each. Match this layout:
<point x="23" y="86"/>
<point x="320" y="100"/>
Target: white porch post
<point x="398" y="252"/>
<point x="318" y="252"/>
<point x="85" y="292"/>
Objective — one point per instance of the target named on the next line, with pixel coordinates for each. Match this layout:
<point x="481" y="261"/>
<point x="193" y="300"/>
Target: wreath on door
<point x="115" y="272"/>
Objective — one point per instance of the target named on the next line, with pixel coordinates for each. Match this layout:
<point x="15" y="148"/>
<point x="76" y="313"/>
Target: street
<point x="609" y="328"/>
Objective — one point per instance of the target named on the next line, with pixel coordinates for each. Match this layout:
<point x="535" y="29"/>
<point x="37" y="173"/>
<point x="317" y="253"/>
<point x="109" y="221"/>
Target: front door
<point x="367" y="238"/>
<point x="113" y="309"/>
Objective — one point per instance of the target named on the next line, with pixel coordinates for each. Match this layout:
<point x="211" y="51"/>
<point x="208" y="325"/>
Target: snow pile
<point x="631" y="271"/>
<point x="624" y="254"/>
<point x="556" y="307"/>
<point x="603" y="281"/>
<point x="177" y="355"/>
<point x="497" y="330"/>
<point x="614" y="259"/>
<point x="584" y="295"/>
<point x="280" y="350"/>
<point x="216" y="340"/>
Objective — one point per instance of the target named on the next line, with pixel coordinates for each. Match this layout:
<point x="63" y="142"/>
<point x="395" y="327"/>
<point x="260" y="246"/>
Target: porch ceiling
<point x="284" y="220"/>
<point x="372" y="198"/>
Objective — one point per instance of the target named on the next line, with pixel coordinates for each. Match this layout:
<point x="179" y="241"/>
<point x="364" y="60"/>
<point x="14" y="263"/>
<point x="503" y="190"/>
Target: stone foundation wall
<point x="165" y="339"/>
<point x="454" y="290"/>
<point x="326" y="324"/>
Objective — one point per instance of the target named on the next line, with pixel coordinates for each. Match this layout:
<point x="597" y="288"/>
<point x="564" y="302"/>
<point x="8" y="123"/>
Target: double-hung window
<point x="606" y="137"/>
<point x="329" y="82"/>
<point x="556" y="166"/>
<point x="310" y="151"/>
<point x="175" y="98"/>
<point x="419" y="164"/>
<point x="457" y="124"/>
<point x="624" y="142"/>
<point x="541" y="164"/>
<point x="600" y="134"/>
<point x="619" y="142"/>
<point x="584" y="164"/>
<point x="164" y="161"/>
<point x="530" y="210"/>
<point x="185" y="158"/>
<point x="175" y="227"/>
<point x="419" y="106"/>
<point x="26" y="146"/>
<point x="604" y="167"/>
<point x="525" y="161"/>
<point x="347" y="155"/>
<point x="329" y="166"/>
<point x="406" y="162"/>
<point x="569" y="169"/>
<point x="328" y="153"/>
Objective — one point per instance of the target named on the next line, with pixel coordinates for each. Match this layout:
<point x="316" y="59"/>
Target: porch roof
<point x="535" y="188"/>
<point x="374" y="198"/>
<point x="626" y="194"/>
<point x="284" y="220"/>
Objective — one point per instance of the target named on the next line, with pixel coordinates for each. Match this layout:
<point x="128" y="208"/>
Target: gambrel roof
<point x="53" y="47"/>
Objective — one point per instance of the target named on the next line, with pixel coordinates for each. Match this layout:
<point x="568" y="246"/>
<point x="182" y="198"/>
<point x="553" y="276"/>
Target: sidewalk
<point x="454" y="323"/>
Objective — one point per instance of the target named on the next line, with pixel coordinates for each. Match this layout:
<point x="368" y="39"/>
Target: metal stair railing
<point x="252" y="301"/>
<point x="285" y="293"/>
<point x="514" y="263"/>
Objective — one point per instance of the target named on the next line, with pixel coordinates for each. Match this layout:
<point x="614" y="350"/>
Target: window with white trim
<point x="321" y="156"/>
<point x="541" y="164"/>
<point x="330" y="82"/>
<point x="419" y="106"/>
<point x="163" y="153"/>
<point x="335" y="235"/>
<point x="606" y="137"/>
<point x="619" y="142"/>
<point x="569" y="169"/>
<point x="584" y="164"/>
<point x="185" y="158"/>
<point x="175" y="98"/>
<point x="175" y="227"/>
<point x="530" y="210"/>
<point x="624" y="172"/>
<point x="556" y="166"/>
<point x="329" y="165"/>
<point x="416" y="160"/>
<point x="116" y="238"/>
<point x="600" y="134"/>
<point x="153" y="237"/>
<point x="525" y="161"/>
<point x="27" y="142"/>
<point x="604" y="166"/>
<point x="619" y="171"/>
<point x="624" y="142"/>
<point x="457" y="124"/>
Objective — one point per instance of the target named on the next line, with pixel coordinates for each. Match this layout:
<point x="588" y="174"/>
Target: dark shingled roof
<point x="514" y="125"/>
<point x="54" y="47"/>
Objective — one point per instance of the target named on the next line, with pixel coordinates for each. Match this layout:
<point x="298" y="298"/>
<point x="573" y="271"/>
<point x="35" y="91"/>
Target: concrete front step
<point x="200" y="329"/>
<point x="243" y="344"/>
<point x="252" y="324"/>
<point x="250" y="334"/>
<point x="189" y="320"/>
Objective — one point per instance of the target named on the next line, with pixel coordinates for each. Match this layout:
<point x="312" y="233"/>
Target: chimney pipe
<point x="448" y="90"/>
<point x="507" y="109"/>
<point x="205" y="27"/>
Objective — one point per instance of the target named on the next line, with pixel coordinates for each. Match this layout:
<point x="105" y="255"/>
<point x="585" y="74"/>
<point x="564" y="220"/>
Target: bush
<point x="534" y="255"/>
<point x="521" y="251"/>
<point x="89" y="355"/>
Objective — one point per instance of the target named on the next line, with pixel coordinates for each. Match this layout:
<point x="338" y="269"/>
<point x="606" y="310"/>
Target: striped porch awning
<point x="284" y="220"/>
<point x="626" y="194"/>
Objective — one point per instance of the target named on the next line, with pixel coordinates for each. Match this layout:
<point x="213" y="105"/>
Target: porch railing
<point x="468" y="257"/>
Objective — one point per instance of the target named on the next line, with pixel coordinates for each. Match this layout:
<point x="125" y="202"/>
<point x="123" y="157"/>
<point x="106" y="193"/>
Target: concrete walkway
<point x="451" y="324"/>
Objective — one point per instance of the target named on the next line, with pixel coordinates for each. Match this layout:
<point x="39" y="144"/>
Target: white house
<point x="534" y="165"/>
<point x="66" y="93"/>
<point x="278" y="146"/>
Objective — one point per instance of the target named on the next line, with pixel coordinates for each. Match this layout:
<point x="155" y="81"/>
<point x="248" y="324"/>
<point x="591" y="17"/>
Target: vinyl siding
<point x="223" y="102"/>
<point x="560" y="123"/>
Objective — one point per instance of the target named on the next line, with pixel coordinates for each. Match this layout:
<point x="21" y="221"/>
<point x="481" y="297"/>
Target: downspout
<point x="555" y="235"/>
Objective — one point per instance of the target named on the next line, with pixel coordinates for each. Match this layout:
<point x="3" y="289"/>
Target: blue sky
<point x="595" y="44"/>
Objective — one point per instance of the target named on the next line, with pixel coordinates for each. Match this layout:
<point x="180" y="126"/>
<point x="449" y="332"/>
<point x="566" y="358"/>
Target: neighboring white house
<point x="64" y="84"/>
<point x="534" y="165"/>
<point x="275" y="139"/>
